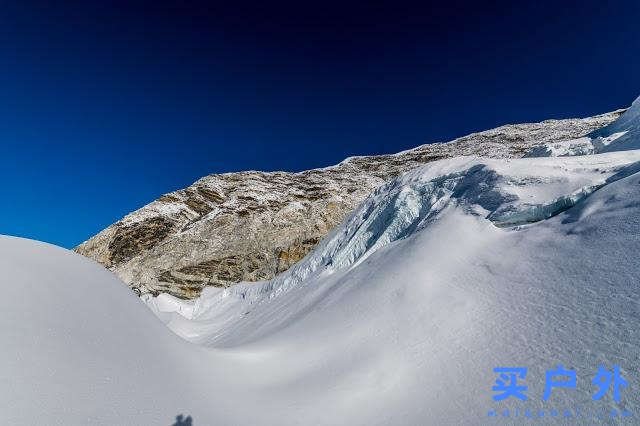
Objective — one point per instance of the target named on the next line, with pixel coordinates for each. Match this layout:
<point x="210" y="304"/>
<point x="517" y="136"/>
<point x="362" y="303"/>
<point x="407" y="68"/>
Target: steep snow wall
<point x="621" y="135"/>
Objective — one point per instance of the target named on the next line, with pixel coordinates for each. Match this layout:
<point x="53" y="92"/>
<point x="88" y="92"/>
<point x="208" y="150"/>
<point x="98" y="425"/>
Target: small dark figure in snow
<point x="181" y="422"/>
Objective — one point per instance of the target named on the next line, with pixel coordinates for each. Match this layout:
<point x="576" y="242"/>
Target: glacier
<point x="397" y="317"/>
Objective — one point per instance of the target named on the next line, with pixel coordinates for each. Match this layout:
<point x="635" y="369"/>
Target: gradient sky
<point x="106" y="106"/>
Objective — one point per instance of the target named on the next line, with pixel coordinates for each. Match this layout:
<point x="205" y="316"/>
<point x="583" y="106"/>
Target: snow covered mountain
<point x="398" y="317"/>
<point x="250" y="226"/>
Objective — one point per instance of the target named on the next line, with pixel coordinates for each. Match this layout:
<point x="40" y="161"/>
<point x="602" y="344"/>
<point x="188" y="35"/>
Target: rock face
<point x="250" y="226"/>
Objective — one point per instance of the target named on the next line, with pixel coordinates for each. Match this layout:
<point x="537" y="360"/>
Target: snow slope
<point x="401" y="314"/>
<point x="78" y="348"/>
<point x="503" y="193"/>
<point x="621" y="135"/>
<point x="397" y="317"/>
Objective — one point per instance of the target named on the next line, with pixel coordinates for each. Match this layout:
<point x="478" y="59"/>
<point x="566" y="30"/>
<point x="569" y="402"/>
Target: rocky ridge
<point x="250" y="226"/>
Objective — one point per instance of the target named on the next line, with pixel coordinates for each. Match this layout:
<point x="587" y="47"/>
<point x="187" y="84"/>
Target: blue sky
<point x="106" y="106"/>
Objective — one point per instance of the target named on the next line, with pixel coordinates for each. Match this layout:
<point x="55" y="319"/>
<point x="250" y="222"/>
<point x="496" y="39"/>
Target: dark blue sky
<point x="106" y="106"/>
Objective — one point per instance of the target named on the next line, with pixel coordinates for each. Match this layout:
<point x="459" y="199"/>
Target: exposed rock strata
<point x="250" y="226"/>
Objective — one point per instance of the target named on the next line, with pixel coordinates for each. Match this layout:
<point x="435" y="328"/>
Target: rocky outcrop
<point x="250" y="226"/>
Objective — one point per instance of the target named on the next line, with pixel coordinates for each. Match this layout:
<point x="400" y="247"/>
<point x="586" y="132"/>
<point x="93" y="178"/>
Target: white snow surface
<point x="621" y="135"/>
<point x="398" y="317"/>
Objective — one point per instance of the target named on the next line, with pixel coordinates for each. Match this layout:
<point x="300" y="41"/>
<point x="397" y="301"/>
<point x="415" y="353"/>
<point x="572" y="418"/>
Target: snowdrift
<point x="78" y="348"/>
<point x="401" y="314"/>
